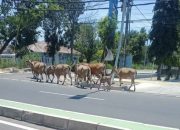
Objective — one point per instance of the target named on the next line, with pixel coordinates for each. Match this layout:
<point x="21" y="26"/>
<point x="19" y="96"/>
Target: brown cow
<point x="49" y="71"/>
<point x="97" y="69"/>
<point x="38" y="68"/>
<point x="62" y="69"/>
<point x="126" y="73"/>
<point x="31" y="65"/>
<point x="106" y="79"/>
<point x="82" y="72"/>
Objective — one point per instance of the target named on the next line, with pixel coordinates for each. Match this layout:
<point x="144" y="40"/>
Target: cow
<point x="50" y="71"/>
<point x="82" y="72"/>
<point x="97" y="69"/>
<point x="106" y="79"/>
<point x="31" y="65"/>
<point x="62" y="69"/>
<point x="38" y="68"/>
<point x="126" y="73"/>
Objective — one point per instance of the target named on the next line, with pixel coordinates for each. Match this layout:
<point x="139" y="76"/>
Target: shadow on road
<point x="77" y="97"/>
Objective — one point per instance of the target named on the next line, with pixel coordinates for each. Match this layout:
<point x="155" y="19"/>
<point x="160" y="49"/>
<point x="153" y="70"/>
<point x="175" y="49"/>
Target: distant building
<point x="62" y="56"/>
<point x="8" y="54"/>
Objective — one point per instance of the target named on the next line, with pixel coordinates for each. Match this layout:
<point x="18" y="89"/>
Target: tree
<point x="19" y="27"/>
<point x="86" y="41"/>
<point x="61" y="24"/>
<point x="52" y="25"/>
<point x="136" y="43"/>
<point x="164" y="34"/>
<point x="106" y="29"/>
<point x="74" y="10"/>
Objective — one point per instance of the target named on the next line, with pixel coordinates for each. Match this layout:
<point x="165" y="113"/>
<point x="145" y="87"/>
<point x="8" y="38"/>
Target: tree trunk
<point x="103" y="55"/>
<point x="178" y="73"/>
<point x="168" y="73"/>
<point x="53" y="59"/>
<point x="6" y="43"/>
<point x="159" y="72"/>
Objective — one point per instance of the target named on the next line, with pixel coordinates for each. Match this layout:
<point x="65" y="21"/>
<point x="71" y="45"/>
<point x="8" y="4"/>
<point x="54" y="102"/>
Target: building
<point x="8" y="54"/>
<point x="62" y="56"/>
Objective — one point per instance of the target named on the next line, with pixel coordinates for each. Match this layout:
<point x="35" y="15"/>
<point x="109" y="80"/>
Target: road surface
<point x="146" y="108"/>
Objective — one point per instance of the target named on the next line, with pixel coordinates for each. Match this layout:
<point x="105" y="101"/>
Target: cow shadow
<point x="78" y="97"/>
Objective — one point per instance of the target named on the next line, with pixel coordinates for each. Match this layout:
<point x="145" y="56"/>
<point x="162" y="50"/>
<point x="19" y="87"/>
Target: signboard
<point x="109" y="56"/>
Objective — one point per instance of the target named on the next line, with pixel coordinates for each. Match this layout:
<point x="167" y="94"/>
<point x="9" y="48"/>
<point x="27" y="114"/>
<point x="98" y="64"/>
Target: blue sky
<point x="136" y="14"/>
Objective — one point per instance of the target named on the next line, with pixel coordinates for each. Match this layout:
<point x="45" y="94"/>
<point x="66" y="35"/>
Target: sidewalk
<point x="146" y="85"/>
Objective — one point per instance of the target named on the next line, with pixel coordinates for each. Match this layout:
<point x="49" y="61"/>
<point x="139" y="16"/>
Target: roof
<point x="7" y="50"/>
<point x="42" y="47"/>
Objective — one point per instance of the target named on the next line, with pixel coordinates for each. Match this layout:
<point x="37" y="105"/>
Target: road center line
<point x="16" y="125"/>
<point x="68" y="95"/>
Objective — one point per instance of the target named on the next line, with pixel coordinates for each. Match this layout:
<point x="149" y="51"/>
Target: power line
<point x="143" y="15"/>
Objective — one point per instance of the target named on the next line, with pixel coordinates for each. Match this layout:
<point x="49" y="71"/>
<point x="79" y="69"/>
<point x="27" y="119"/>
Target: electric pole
<point x="127" y="29"/>
<point x="121" y="32"/>
<point x="124" y="3"/>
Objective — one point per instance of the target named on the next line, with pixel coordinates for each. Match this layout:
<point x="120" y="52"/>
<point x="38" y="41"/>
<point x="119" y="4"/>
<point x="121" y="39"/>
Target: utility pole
<point x="121" y="31"/>
<point x="127" y="29"/>
<point x="121" y="35"/>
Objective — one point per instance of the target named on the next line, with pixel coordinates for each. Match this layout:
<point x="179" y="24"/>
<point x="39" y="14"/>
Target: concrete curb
<point x="52" y="122"/>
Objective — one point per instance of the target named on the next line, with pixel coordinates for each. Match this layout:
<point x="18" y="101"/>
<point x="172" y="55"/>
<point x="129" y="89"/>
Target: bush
<point x="141" y="66"/>
<point x="20" y="63"/>
<point x="109" y="66"/>
<point x="6" y="63"/>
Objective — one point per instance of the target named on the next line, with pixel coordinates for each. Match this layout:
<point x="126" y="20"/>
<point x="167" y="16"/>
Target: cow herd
<point x="92" y="73"/>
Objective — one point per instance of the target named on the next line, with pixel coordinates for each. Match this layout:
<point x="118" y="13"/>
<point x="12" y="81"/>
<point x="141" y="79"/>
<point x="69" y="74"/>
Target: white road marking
<point x="16" y="125"/>
<point x="68" y="95"/>
<point x="16" y="80"/>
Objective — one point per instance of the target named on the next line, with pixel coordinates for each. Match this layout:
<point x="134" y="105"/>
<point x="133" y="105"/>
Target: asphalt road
<point x="10" y="124"/>
<point x="140" y="107"/>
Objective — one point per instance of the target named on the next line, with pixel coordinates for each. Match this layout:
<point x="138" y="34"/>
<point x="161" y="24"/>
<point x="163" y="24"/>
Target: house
<point x="62" y="56"/>
<point x="8" y="54"/>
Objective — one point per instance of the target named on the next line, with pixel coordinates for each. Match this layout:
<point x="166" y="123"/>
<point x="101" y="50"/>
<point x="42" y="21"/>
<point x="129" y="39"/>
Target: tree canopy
<point x="86" y="41"/>
<point x="164" y="33"/>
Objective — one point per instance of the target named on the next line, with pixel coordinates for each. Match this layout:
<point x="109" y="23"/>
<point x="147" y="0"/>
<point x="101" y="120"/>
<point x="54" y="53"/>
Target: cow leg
<point x="52" y="78"/>
<point x="41" y="77"/>
<point x="47" y="77"/>
<point x="99" y="86"/>
<point x="120" y="81"/>
<point x="75" y="78"/>
<point x="131" y="83"/>
<point x="109" y="85"/>
<point x="134" y="84"/>
<point x="37" y="77"/>
<point x="34" y="75"/>
<point x="64" y="79"/>
<point x="134" y="88"/>
<point x="57" y="78"/>
<point x="97" y="81"/>
<point x="70" y="77"/>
